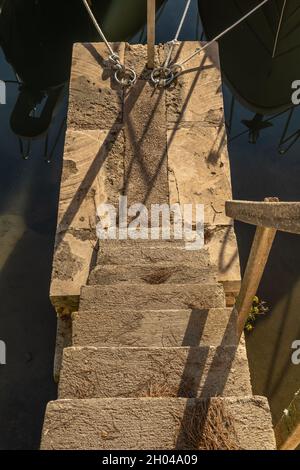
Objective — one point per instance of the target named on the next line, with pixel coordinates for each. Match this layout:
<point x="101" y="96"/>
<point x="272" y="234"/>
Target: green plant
<point x="258" y="308"/>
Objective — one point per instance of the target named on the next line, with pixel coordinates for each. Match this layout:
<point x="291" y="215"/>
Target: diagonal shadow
<point x="174" y="126"/>
<point x="222" y="265"/>
<point x="163" y="156"/>
<point x="211" y="387"/>
<point x="137" y="153"/>
<point x="190" y="380"/>
<point x="98" y="161"/>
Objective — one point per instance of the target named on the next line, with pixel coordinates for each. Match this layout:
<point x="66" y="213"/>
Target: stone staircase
<point x="154" y="359"/>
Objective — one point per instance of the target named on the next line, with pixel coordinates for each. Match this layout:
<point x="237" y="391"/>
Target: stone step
<point x="155" y="274"/>
<point x="129" y="243"/>
<point x="148" y="252"/>
<point x="159" y="424"/>
<point x="89" y="372"/>
<point x="152" y="297"/>
<point x="154" y="328"/>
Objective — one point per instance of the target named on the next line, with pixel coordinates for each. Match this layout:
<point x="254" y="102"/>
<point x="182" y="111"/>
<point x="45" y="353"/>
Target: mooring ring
<point x="158" y="80"/>
<point x="177" y="69"/>
<point x="129" y="76"/>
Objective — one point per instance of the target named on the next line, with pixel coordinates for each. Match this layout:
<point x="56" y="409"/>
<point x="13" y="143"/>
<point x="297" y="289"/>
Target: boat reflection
<point x="259" y="59"/>
<point x="37" y="37"/>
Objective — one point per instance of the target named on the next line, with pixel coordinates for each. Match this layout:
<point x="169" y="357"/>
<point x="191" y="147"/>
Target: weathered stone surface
<point x="135" y="243"/>
<point x="222" y="246"/>
<point x="199" y="170"/>
<point x="146" y="171"/>
<point x="150" y="253"/>
<point x="63" y="340"/>
<point x="136" y="58"/>
<point x="154" y="328"/>
<point x="232" y="289"/>
<point x="149" y="297"/>
<point x="156" y="274"/>
<point x="95" y="99"/>
<point x="197" y="95"/>
<point x="92" y="174"/>
<point x="71" y="267"/>
<point x="89" y="372"/>
<point x="154" y="423"/>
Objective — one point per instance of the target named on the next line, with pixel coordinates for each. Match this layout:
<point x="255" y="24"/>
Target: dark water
<point x="28" y="207"/>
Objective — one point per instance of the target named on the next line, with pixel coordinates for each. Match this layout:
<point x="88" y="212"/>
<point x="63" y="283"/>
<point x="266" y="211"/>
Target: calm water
<point x="28" y="207"/>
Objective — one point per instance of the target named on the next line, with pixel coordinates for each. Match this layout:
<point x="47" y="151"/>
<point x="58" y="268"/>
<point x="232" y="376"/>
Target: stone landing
<point x="151" y="145"/>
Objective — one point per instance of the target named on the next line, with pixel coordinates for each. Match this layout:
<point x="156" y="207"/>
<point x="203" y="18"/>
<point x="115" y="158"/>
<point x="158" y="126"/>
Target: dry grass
<point x="159" y="277"/>
<point x="207" y="426"/>
<point x="158" y="390"/>
<point x="150" y="389"/>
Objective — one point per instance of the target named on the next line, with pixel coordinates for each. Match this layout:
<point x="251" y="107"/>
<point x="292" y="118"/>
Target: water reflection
<point x="37" y="39"/>
<point x="259" y="60"/>
<point x="29" y="190"/>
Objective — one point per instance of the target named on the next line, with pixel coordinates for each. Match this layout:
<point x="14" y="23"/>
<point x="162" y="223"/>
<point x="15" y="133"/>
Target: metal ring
<point x="129" y="76"/>
<point x="177" y="69"/>
<point x="168" y="74"/>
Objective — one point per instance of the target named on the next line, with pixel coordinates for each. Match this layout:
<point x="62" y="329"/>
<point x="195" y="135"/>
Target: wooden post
<point x="287" y="431"/>
<point x="151" y="9"/>
<point x="258" y="258"/>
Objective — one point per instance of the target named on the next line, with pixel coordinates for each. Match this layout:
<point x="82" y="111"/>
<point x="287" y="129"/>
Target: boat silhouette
<point x="259" y="58"/>
<point x="37" y="37"/>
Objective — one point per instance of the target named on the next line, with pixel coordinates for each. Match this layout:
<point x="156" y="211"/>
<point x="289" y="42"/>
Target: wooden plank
<point x="284" y="216"/>
<point x="151" y="32"/>
<point x="287" y="431"/>
<point x="258" y="258"/>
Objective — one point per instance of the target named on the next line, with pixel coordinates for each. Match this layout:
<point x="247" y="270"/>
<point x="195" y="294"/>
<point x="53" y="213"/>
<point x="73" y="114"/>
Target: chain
<point x="124" y="76"/>
<point x="164" y="75"/>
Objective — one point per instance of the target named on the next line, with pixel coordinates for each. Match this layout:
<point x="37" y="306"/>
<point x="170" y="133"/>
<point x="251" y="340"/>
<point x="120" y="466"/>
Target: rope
<point x="172" y="43"/>
<point x="219" y="36"/>
<point x="97" y="26"/>
<point x="125" y="76"/>
<point x="163" y="74"/>
<point x="170" y="73"/>
<point x="279" y="29"/>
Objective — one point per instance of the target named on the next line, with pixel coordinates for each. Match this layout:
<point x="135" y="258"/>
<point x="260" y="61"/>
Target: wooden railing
<point x="269" y="217"/>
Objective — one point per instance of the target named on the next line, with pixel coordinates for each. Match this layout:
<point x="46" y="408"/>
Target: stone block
<point x="95" y="100"/>
<point x="158" y="424"/>
<point x="89" y="372"/>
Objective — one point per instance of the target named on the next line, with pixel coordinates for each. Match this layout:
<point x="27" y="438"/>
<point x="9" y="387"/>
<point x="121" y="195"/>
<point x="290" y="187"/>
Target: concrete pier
<point x="153" y="145"/>
<point x="133" y="306"/>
